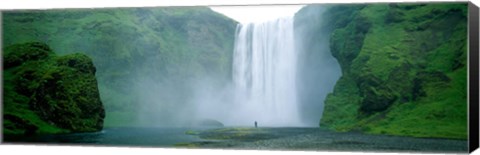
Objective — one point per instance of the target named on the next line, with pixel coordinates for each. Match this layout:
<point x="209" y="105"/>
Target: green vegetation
<point x="242" y="134"/>
<point x="404" y="69"/>
<point x="187" y="145"/>
<point x="190" y="132"/>
<point x="45" y="93"/>
<point x="132" y="46"/>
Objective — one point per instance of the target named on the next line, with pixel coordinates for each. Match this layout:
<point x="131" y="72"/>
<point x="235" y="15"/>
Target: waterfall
<point x="264" y="74"/>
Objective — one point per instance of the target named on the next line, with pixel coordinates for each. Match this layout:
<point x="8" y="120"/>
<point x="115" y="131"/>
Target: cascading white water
<point x="264" y="74"/>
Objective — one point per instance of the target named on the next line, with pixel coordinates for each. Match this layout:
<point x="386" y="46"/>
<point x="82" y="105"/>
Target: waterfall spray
<point x="264" y="73"/>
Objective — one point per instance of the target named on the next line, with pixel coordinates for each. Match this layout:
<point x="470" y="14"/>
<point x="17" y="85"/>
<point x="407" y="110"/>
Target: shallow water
<point x="147" y="137"/>
<point x="313" y="139"/>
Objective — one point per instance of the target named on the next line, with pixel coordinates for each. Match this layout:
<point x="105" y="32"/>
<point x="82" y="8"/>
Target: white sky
<point x="255" y="13"/>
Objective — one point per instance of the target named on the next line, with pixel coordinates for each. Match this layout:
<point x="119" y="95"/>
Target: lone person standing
<point x="255" y="124"/>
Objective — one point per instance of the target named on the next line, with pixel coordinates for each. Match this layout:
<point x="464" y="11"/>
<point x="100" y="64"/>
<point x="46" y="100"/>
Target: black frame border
<point x="473" y="108"/>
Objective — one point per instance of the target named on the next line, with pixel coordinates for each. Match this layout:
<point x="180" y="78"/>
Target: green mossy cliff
<point x="138" y="52"/>
<point x="45" y="93"/>
<point x="403" y="68"/>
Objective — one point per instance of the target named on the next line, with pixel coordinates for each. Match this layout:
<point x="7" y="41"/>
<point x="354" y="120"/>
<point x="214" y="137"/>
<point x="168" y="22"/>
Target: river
<point x="264" y="138"/>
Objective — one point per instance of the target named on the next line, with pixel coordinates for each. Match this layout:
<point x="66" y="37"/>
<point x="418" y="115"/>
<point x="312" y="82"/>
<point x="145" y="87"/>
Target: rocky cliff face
<point x="46" y="93"/>
<point x="403" y="69"/>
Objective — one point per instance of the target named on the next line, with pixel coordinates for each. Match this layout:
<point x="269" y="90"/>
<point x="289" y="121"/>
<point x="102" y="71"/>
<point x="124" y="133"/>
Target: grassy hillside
<point x="45" y="93"/>
<point x="403" y="69"/>
<point x="131" y="47"/>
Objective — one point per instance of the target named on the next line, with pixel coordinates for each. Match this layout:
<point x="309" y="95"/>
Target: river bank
<point x="315" y="139"/>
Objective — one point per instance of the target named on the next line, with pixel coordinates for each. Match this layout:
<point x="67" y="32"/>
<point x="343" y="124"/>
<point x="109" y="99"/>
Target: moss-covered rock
<point x="28" y="52"/>
<point x="403" y="67"/>
<point x="45" y="93"/>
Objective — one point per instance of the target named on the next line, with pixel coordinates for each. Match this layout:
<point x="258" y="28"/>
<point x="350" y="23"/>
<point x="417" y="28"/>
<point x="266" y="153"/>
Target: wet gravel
<point x="321" y="139"/>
